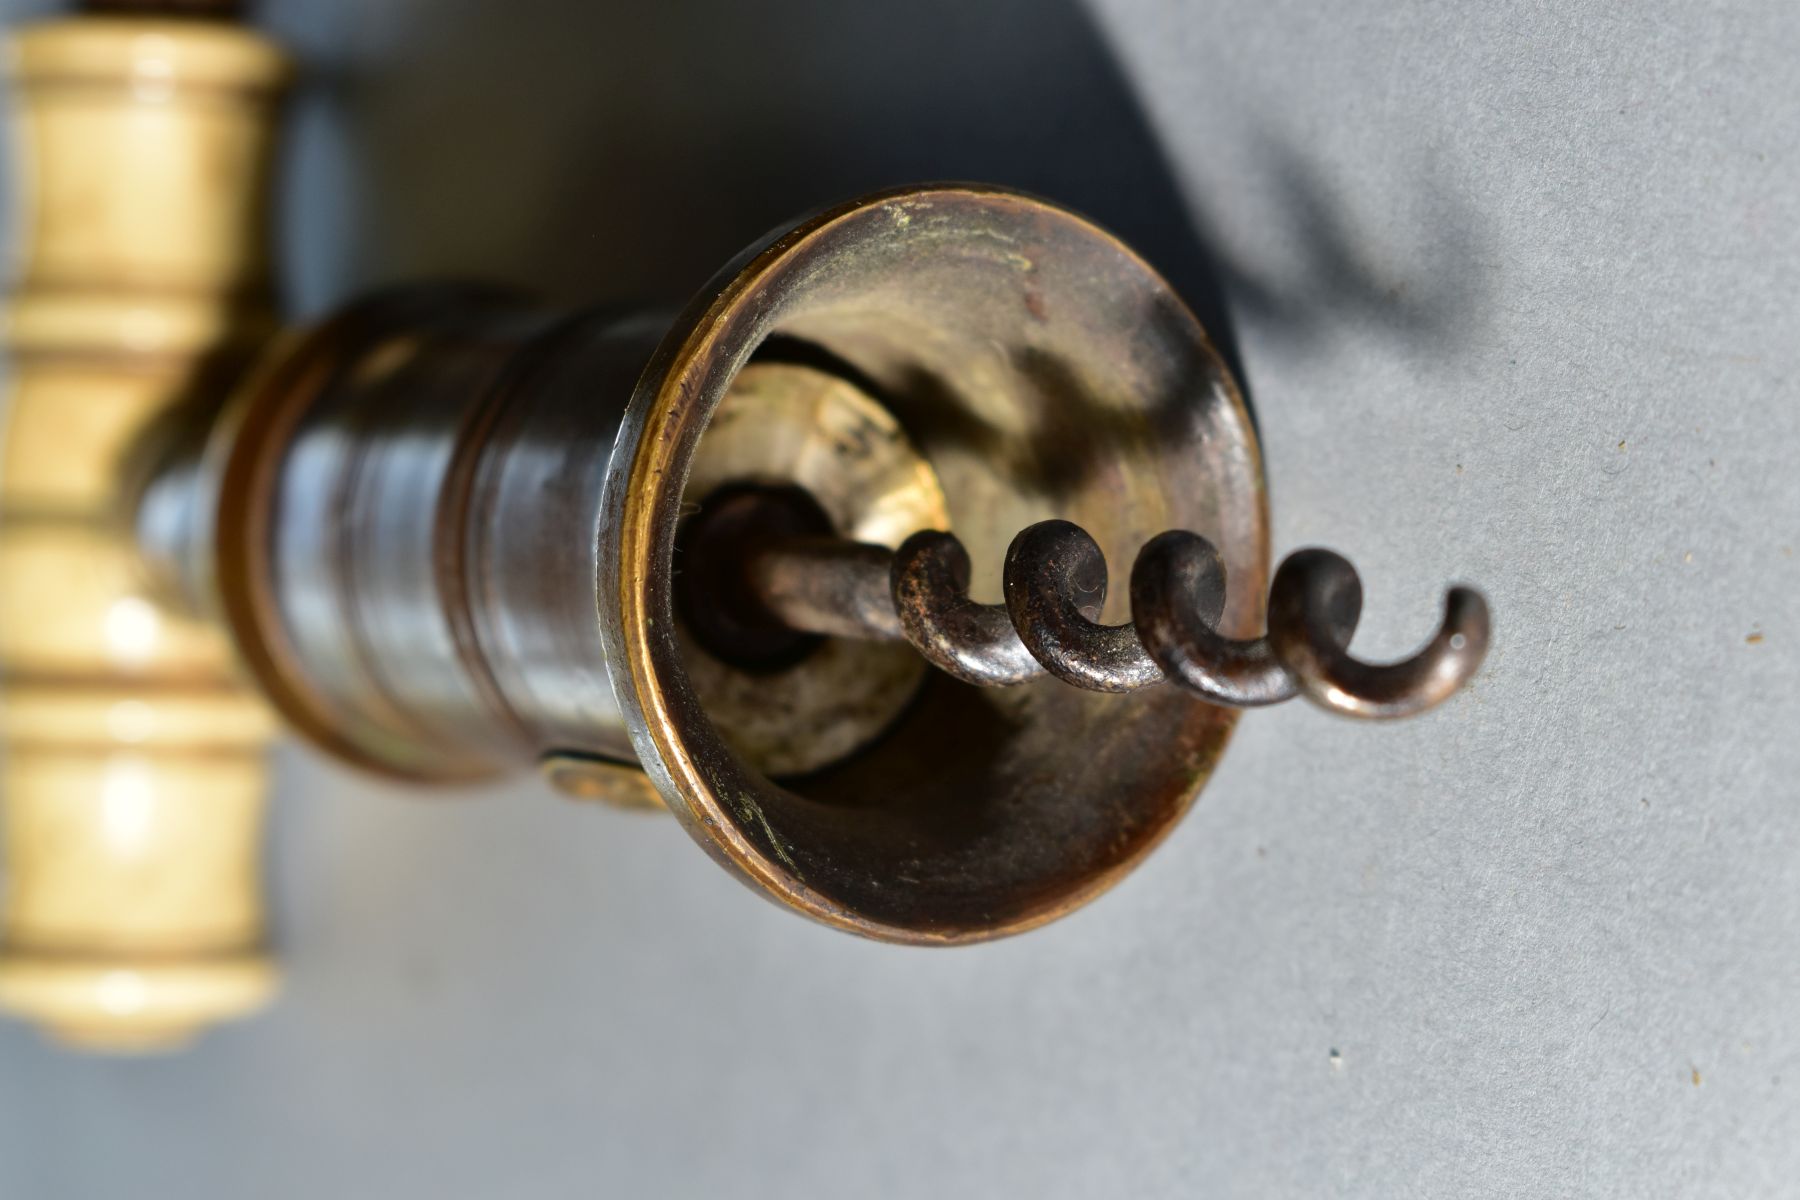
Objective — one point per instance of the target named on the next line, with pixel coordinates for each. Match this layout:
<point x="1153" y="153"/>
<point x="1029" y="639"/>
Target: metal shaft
<point x="827" y="586"/>
<point x="1055" y="583"/>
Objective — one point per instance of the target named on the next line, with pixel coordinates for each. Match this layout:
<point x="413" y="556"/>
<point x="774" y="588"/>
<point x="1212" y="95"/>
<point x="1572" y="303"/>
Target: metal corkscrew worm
<point x="1055" y="584"/>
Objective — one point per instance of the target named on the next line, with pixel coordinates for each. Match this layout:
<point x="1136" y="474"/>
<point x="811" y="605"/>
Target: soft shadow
<point x="624" y="152"/>
<point x="1422" y="294"/>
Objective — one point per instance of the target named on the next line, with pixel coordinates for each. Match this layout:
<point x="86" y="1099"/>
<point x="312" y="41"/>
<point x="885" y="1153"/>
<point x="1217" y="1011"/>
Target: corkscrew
<point x="703" y="563"/>
<point x="1055" y="586"/>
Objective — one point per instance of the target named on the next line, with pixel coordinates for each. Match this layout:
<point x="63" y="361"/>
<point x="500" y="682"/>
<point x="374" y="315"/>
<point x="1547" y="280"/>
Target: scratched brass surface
<point x="1042" y="369"/>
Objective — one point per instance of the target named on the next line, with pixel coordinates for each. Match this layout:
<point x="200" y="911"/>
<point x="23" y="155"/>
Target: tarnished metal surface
<point x="973" y="642"/>
<point x="585" y="777"/>
<point x="1055" y="589"/>
<point x="1043" y="371"/>
<point x="408" y="505"/>
<point x="1310" y="637"/>
<point x="422" y="509"/>
<point x="1178" y="586"/>
<point x="828" y="586"/>
<point x="326" y="480"/>
<point x="1055" y="584"/>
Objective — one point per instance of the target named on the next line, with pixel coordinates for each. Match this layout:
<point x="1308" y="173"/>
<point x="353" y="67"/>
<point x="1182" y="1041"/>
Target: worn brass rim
<point x="735" y="813"/>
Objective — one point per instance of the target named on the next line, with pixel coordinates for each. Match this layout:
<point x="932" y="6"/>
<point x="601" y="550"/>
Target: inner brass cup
<point x="1043" y="370"/>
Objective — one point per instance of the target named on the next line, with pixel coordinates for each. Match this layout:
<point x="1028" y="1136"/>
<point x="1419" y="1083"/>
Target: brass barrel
<point x="455" y="534"/>
<point x="401" y="527"/>
<point x="402" y="517"/>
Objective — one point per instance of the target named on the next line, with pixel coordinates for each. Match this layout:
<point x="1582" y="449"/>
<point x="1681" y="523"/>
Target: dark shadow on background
<point x="601" y="151"/>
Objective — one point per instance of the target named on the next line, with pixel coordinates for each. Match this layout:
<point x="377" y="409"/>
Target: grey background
<point x="1516" y="290"/>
